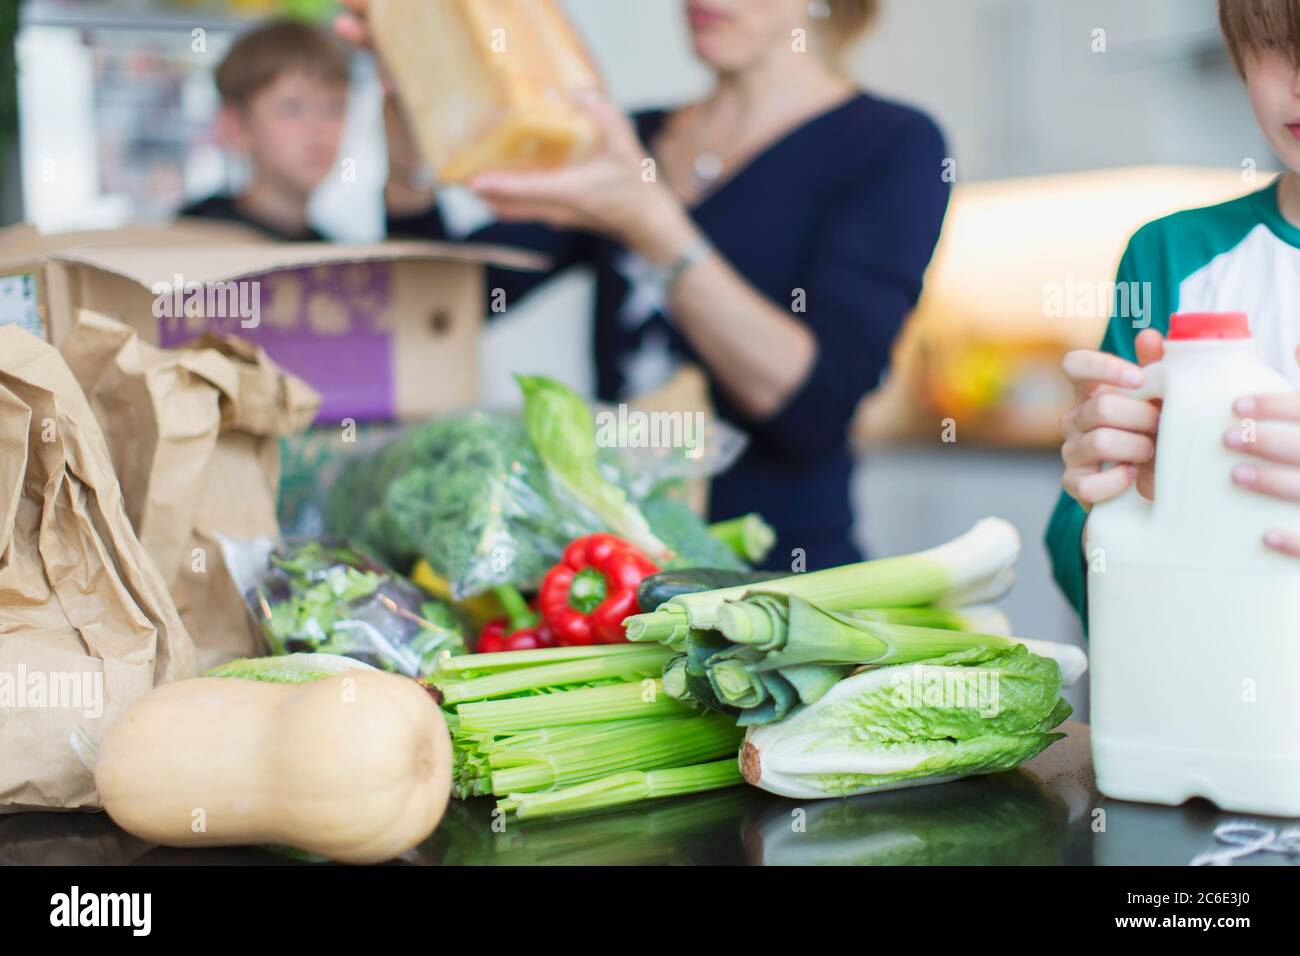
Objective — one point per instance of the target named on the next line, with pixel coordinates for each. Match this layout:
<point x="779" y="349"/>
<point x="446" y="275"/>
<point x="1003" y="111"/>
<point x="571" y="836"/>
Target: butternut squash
<point x="355" y="767"/>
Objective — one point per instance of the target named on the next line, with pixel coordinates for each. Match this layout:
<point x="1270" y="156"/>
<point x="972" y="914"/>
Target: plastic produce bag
<point x="327" y="597"/>
<point x="469" y="494"/>
<point x="473" y="495"/>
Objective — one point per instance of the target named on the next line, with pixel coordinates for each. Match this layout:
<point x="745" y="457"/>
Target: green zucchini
<point x="659" y="588"/>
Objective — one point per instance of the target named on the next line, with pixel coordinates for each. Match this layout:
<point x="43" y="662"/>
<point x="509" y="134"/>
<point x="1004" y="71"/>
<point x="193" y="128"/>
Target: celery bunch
<point x="562" y="730"/>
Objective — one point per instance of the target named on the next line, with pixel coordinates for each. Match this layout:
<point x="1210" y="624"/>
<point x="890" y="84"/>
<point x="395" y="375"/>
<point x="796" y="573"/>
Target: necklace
<point x="706" y="169"/>
<point x="708" y="163"/>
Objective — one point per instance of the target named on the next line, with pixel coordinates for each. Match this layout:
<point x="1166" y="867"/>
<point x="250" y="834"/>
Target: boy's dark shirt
<point x="226" y="209"/>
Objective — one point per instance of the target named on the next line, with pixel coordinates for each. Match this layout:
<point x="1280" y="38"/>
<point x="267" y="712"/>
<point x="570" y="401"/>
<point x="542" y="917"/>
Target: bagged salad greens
<point x="492" y="498"/>
<point x="326" y="597"/>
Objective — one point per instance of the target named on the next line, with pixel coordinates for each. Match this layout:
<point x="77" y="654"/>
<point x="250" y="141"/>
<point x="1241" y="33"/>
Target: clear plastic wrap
<point x="325" y="596"/>
<point x="697" y="448"/>
<point x="470" y="494"/>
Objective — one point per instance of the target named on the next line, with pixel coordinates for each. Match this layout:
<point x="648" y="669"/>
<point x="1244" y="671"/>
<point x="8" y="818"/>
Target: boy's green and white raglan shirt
<point x="1239" y="256"/>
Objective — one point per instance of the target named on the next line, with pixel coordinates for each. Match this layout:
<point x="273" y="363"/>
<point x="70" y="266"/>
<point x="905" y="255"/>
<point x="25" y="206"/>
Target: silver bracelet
<point x="414" y="177"/>
<point x="665" y="277"/>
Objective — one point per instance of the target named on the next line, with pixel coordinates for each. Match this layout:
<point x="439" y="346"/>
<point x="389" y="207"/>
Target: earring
<point x="819" y="9"/>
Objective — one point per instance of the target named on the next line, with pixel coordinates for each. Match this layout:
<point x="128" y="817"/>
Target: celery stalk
<point x="627" y="667"/>
<point x="621" y="788"/>
<point x="665" y="743"/>
<point x="614" y="702"/>
<point x="502" y="660"/>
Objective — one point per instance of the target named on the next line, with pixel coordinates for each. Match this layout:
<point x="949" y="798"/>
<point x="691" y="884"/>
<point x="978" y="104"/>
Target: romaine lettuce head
<point x="911" y="724"/>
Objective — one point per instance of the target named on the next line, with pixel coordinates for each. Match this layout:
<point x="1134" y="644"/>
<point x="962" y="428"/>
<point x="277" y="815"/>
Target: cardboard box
<point x="385" y="331"/>
<point x="25" y="250"/>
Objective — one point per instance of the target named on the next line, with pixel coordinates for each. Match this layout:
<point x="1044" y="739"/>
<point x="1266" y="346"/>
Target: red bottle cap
<point x="1193" y="326"/>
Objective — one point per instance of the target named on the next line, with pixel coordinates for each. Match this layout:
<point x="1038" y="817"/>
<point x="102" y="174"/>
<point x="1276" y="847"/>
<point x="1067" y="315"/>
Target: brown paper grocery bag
<point x="86" y="623"/>
<point x="194" y="434"/>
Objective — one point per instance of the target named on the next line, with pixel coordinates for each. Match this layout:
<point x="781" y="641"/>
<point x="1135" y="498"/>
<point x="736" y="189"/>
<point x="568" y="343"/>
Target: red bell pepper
<point x="585" y="597"/>
<point x="521" y="629"/>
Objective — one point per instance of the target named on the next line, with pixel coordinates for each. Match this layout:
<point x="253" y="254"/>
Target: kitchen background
<point x="1070" y="124"/>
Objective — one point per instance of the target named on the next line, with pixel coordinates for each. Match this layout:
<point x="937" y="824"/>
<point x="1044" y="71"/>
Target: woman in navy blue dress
<point x="780" y="243"/>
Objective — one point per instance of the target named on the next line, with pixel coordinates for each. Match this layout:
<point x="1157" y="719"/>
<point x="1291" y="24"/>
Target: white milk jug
<point x="1194" y="624"/>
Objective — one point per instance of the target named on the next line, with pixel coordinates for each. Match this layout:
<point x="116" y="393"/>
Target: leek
<point x="973" y="567"/>
<point x="749" y="536"/>
<point x="623" y="788"/>
<point x="774" y="652"/>
<point x="978" y="618"/>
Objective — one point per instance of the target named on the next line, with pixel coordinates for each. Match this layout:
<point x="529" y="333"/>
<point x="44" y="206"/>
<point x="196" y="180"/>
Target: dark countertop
<point x="1047" y="812"/>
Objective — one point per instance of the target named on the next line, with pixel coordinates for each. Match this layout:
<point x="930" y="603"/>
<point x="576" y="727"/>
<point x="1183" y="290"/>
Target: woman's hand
<point x="408" y="190"/>
<point x="1104" y="426"/>
<point x="613" y="192"/>
<point x="1278" y="445"/>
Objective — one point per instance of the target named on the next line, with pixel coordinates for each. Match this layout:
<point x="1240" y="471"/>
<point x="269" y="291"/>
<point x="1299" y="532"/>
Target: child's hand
<point x="409" y="189"/>
<point x="1106" y="427"/>
<point x="1278" y="445"/>
<point x="352" y="26"/>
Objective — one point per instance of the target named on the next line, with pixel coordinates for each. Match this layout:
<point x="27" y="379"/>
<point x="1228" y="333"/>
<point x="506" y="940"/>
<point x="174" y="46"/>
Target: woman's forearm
<point x="758" y="353"/>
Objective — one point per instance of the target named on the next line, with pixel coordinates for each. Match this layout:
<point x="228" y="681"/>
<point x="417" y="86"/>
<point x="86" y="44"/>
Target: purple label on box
<point x="330" y="325"/>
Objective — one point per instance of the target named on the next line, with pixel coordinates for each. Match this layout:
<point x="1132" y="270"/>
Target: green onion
<point x="973" y="567"/>
<point x="749" y="536"/>
<point x="621" y="788"/>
